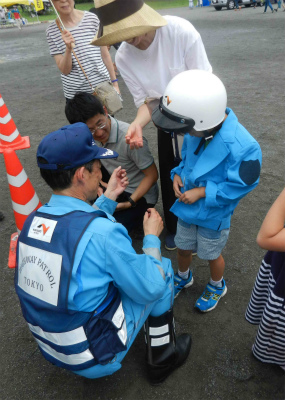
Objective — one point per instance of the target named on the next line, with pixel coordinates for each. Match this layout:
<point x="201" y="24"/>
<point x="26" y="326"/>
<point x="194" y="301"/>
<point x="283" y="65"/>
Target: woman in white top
<point x="80" y="29"/>
<point x="154" y="50"/>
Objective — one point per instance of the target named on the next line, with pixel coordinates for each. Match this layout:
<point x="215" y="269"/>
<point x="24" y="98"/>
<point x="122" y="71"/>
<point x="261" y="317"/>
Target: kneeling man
<point x="84" y="291"/>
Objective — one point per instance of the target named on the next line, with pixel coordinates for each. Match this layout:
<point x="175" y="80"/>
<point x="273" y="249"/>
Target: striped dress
<point x="88" y="55"/>
<point x="267" y="309"/>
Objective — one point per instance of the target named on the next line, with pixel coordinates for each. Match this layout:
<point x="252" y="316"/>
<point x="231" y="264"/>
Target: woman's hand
<point x="134" y="136"/>
<point x="68" y="39"/>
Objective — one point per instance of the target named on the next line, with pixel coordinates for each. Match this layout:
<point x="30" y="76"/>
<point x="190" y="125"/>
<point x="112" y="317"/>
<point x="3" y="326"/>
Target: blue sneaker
<point x="169" y="242"/>
<point x="210" y="297"/>
<point x="180" y="283"/>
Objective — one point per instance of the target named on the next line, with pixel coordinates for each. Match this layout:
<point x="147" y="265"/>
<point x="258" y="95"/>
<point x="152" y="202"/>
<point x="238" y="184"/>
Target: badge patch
<point x="39" y="273"/>
<point x="42" y="229"/>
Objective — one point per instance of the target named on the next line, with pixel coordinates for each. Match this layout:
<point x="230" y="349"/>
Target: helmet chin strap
<point x="207" y="136"/>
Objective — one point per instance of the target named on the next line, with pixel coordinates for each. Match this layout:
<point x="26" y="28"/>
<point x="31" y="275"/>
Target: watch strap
<point x="133" y="203"/>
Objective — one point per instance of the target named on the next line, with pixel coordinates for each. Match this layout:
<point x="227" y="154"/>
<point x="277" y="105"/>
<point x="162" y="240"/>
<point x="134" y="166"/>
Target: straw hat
<point x="123" y="20"/>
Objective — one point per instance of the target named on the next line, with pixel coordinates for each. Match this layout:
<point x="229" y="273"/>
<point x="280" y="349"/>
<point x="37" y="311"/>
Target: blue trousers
<point x="136" y="315"/>
<point x="267" y="3"/>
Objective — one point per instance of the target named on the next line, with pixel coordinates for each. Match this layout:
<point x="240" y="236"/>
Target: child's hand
<point x="193" y="195"/>
<point x="177" y="184"/>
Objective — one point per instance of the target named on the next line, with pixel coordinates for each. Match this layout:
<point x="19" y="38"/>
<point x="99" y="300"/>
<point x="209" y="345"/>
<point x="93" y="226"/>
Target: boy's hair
<point x="61" y="179"/>
<point x="82" y="107"/>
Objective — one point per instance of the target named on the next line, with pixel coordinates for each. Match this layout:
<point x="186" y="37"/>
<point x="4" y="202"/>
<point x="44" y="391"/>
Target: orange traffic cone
<point x="23" y="195"/>
<point x="9" y="134"/>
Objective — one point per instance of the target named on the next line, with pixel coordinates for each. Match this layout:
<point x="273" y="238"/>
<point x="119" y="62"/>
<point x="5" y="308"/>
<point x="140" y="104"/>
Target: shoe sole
<point x="170" y="248"/>
<point x="185" y="287"/>
<point x="210" y="309"/>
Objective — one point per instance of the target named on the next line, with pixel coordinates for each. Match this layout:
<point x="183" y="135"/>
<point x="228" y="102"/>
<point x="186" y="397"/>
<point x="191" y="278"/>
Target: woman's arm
<point x="64" y="61"/>
<point x="272" y="232"/>
<point x="109" y="65"/>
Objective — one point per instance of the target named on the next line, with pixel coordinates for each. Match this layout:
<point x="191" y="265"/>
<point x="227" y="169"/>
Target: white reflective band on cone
<point x="1" y="102"/>
<point x="18" y="180"/>
<point x="160" y="341"/>
<point x="4" y="120"/>
<point x="72" y="359"/>
<point x="159" y="331"/>
<point x="11" y="137"/>
<point x="26" y="209"/>
<point x="63" y="338"/>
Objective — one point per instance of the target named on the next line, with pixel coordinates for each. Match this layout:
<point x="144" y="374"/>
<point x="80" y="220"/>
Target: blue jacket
<point x="229" y="168"/>
<point x="104" y="256"/>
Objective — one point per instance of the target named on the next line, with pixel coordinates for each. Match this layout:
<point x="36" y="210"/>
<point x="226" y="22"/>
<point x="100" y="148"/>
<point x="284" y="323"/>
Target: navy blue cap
<point x="71" y="146"/>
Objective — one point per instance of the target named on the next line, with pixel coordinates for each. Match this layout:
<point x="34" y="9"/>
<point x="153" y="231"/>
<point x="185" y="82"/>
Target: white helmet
<point x="192" y="99"/>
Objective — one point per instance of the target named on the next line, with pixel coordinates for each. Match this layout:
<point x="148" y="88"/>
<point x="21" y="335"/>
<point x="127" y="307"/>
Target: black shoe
<point x="158" y="373"/>
<point x="2" y="216"/>
<point x="164" y="358"/>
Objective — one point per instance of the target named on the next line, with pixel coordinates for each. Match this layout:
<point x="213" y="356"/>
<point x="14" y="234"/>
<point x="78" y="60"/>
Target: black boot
<point x="165" y="353"/>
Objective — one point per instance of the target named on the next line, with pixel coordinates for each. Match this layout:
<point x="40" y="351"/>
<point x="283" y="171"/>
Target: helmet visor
<point x="169" y="121"/>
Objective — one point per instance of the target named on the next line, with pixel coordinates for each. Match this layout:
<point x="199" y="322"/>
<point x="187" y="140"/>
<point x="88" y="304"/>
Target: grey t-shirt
<point x="133" y="161"/>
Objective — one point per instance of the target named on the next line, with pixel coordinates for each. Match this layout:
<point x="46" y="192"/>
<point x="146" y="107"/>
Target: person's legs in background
<point x="166" y="164"/>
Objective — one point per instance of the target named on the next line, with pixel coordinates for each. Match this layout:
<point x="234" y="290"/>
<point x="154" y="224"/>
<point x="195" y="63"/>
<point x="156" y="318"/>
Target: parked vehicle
<point x="230" y="4"/>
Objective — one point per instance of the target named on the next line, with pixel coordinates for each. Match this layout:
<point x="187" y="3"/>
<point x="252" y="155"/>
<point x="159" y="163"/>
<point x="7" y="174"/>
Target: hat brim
<point x="167" y="124"/>
<point x="143" y="21"/>
<point x="104" y="153"/>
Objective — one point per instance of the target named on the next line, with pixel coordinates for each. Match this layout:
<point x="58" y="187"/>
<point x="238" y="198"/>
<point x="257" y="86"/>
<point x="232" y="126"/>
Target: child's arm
<point x="242" y="177"/>
<point x="272" y="232"/>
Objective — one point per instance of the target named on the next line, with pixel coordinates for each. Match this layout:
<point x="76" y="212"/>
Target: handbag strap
<point x="73" y="52"/>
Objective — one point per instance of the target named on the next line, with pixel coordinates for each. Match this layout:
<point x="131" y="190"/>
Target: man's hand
<point x="68" y="39"/>
<point x="117" y="183"/>
<point x="193" y="195"/>
<point x="134" y="136"/>
<point x="152" y="223"/>
<point x="177" y="184"/>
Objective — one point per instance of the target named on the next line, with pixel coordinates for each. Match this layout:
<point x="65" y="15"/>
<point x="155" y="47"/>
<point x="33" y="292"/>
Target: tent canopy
<point x="8" y="3"/>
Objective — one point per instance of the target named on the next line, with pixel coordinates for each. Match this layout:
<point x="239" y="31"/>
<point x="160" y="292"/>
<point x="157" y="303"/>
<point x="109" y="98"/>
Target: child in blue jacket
<point x="220" y="164"/>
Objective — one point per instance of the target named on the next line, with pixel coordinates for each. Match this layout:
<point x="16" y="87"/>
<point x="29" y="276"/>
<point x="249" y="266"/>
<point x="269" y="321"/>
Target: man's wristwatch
<point x="133" y="203"/>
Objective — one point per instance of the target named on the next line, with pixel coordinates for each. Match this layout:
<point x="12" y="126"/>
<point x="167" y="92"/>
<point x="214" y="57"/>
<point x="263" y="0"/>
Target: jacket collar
<point x="218" y="147"/>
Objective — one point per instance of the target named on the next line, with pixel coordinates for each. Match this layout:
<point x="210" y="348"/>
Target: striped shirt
<point x="88" y="55"/>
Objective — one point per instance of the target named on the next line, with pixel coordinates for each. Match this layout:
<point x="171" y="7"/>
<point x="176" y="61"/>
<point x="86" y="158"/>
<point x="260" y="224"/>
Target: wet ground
<point x="246" y="50"/>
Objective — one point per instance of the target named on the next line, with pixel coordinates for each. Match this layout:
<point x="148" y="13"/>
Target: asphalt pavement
<point x="246" y="50"/>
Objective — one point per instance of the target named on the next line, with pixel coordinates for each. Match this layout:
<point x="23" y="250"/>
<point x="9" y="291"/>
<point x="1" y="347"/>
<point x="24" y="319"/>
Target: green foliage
<point x="85" y="6"/>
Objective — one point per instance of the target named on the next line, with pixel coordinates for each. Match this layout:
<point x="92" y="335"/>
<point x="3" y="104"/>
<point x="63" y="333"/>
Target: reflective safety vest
<point x="74" y="340"/>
